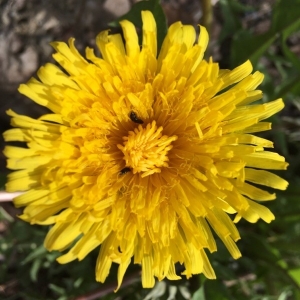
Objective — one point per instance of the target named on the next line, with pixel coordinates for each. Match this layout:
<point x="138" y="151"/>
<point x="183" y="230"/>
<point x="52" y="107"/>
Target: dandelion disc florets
<point x="146" y="150"/>
<point x="144" y="154"/>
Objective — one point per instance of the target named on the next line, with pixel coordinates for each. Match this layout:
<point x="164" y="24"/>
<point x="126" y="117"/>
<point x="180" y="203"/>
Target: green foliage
<point x="285" y="21"/>
<point x="212" y="289"/>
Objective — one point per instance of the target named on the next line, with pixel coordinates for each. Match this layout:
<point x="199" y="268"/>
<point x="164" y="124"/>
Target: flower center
<point x="146" y="149"/>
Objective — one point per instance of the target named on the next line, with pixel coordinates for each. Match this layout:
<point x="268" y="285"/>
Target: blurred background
<point x="265" y="31"/>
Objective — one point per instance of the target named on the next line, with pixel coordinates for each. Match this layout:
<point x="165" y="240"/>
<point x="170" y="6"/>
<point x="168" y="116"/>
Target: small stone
<point x="117" y="7"/>
<point x="13" y="74"/>
<point x="16" y="43"/>
<point x="50" y="23"/>
<point x="19" y="4"/>
<point x="29" y="59"/>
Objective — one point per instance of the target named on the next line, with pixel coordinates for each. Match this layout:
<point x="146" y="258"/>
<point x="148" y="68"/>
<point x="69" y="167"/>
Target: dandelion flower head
<point x="145" y="154"/>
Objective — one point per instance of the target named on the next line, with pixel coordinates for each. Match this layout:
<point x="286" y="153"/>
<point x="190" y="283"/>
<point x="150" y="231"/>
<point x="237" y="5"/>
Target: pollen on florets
<point x="146" y="149"/>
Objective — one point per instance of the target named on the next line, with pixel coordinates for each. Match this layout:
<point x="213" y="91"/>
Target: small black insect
<point x="124" y="171"/>
<point x="134" y="118"/>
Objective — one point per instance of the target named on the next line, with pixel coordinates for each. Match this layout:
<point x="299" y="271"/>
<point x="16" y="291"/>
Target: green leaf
<point x="285" y="20"/>
<point x="285" y="295"/>
<point x="263" y="254"/>
<point x="215" y="289"/>
<point x="231" y="22"/>
<point x="35" y="269"/>
<point x="212" y="289"/>
<point x="134" y="16"/>
<point x="260" y="249"/>
<point x="295" y="274"/>
<point x="5" y="215"/>
<point x="286" y="15"/>
<point x="283" y="274"/>
<point x="57" y="289"/>
<point x="199" y="294"/>
<point x="291" y="245"/>
<point x="290" y="85"/>
<point x="248" y="46"/>
<point x="223" y="271"/>
<point x="36" y="253"/>
<point x="287" y="52"/>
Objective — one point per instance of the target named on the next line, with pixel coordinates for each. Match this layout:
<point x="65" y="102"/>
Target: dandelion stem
<point x="207" y="15"/>
<point x="7" y="197"/>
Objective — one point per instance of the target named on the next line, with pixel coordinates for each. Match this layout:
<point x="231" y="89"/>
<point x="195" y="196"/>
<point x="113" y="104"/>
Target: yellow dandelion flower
<point x="144" y="154"/>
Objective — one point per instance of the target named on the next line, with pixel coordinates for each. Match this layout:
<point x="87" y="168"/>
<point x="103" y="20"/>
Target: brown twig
<point x="109" y="288"/>
<point x="248" y="277"/>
